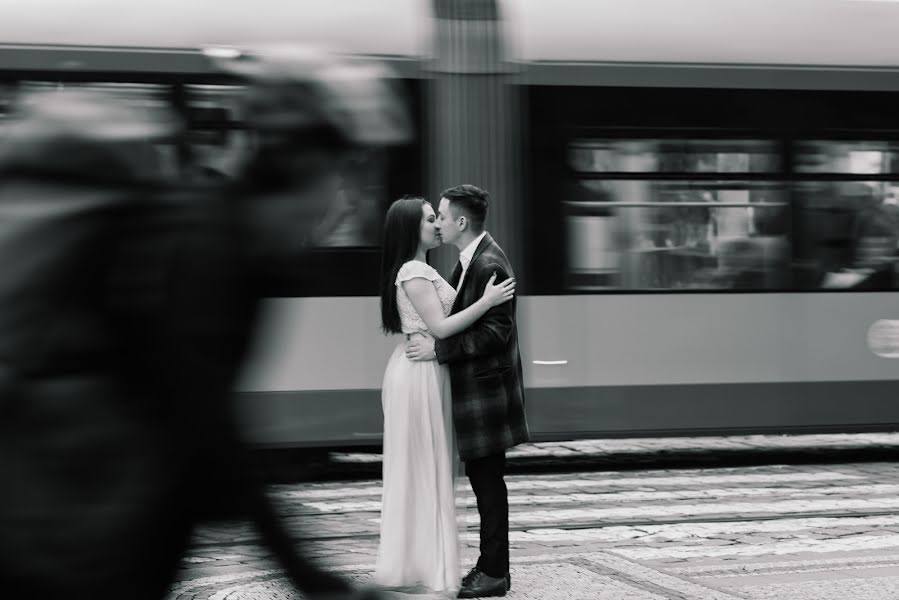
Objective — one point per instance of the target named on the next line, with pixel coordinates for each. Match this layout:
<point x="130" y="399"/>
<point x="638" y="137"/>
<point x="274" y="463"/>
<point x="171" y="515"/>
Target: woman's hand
<point x="494" y="295"/>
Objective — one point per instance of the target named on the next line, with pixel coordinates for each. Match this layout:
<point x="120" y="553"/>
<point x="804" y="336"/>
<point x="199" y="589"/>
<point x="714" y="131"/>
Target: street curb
<point x="310" y="466"/>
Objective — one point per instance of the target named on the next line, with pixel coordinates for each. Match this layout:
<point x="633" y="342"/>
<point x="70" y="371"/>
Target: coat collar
<point x="483" y="245"/>
<point x="467" y="255"/>
<point x="485" y="242"/>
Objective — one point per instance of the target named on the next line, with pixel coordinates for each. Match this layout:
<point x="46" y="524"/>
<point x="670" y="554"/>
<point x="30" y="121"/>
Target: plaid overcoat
<point x="485" y="367"/>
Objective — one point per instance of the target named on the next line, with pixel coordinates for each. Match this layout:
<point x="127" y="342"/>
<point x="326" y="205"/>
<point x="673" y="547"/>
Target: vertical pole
<point x="474" y="120"/>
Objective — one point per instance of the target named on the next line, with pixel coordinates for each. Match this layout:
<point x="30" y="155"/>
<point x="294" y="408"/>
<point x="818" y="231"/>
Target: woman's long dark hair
<point x="402" y="235"/>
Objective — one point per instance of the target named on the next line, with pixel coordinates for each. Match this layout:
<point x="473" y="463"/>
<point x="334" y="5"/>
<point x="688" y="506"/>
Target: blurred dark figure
<point x="850" y="238"/>
<point x="86" y="468"/>
<point x="876" y="237"/>
<point x="125" y="312"/>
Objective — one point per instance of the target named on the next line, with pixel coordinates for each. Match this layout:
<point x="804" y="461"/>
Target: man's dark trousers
<point x="486" y="477"/>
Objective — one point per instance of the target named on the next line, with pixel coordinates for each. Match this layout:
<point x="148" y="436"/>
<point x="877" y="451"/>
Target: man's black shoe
<point x="466" y="581"/>
<point x="482" y="585"/>
<point x="474" y="571"/>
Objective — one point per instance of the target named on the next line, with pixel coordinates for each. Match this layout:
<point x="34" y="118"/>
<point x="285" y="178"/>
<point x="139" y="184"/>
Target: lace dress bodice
<point x="409" y="317"/>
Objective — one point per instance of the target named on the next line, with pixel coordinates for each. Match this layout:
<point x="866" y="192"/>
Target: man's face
<point x="448" y="223"/>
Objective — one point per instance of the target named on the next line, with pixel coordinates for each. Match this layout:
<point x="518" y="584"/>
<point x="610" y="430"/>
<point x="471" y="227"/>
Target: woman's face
<point x="430" y="233"/>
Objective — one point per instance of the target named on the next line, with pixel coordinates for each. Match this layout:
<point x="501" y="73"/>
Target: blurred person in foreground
<point x="120" y="361"/>
<point x="85" y="465"/>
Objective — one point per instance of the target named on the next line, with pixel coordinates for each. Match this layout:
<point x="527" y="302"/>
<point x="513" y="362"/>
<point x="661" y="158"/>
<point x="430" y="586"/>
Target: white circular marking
<point x="883" y="338"/>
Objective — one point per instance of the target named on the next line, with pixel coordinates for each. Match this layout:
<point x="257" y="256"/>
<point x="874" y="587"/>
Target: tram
<point x="700" y="203"/>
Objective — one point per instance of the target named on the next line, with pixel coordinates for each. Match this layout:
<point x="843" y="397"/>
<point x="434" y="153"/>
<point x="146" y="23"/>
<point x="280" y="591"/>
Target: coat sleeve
<point x="490" y="334"/>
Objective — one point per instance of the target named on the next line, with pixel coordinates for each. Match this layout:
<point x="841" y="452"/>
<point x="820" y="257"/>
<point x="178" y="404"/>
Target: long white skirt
<point x="419" y="540"/>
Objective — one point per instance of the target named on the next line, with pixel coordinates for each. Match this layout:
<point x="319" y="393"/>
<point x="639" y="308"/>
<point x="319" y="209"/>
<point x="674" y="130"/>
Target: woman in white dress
<point x="419" y="540"/>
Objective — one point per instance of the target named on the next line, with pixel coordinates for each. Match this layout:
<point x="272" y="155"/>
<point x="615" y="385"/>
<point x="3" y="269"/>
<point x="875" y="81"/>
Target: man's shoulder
<point x="493" y="255"/>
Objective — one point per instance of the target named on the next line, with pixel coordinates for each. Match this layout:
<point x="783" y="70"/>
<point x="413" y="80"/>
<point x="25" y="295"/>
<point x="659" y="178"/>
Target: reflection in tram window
<point x="153" y="161"/>
<point x="715" y="229"/>
<point x="725" y="214"/>
<point x="7" y="93"/>
<point x="355" y="218"/>
<point x="849" y="233"/>
<point x="673" y="234"/>
<point x="849" y="228"/>
<point x="673" y="156"/>
<point x="217" y="144"/>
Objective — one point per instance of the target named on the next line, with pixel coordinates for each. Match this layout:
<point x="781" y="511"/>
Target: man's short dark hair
<point x="471" y="200"/>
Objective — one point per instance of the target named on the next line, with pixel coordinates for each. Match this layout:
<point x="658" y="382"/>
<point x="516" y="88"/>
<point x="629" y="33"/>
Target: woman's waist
<point x="399" y="356"/>
<point x="416" y="334"/>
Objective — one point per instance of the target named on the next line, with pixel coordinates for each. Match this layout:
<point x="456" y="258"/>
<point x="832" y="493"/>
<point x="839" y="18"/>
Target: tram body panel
<point x="750" y="32"/>
<point x="647" y="364"/>
<point x="387" y="27"/>
<point x="615" y="339"/>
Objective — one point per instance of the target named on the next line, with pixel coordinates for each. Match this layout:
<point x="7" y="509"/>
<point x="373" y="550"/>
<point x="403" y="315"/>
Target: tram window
<point x="213" y="108"/>
<point x="216" y="144"/>
<point x="877" y="229"/>
<point x="848" y="225"/>
<point x="6" y="97"/>
<point x="722" y="224"/>
<point x="848" y="233"/>
<point x="209" y="115"/>
<point x="354" y="220"/>
<point x="357" y="212"/>
<point x="146" y="97"/>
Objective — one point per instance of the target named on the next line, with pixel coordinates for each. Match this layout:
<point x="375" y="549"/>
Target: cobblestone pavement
<point x="802" y="531"/>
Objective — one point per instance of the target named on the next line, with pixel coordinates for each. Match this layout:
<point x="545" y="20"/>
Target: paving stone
<point x="725" y="531"/>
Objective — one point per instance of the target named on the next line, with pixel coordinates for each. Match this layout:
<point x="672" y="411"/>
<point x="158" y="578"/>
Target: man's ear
<point x="463" y="223"/>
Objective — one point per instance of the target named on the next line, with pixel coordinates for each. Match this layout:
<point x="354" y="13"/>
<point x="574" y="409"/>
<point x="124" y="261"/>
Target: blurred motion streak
<point x="130" y="291"/>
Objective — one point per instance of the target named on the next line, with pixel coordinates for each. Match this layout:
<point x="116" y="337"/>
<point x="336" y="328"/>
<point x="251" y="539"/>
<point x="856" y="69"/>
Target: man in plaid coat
<point x="485" y="371"/>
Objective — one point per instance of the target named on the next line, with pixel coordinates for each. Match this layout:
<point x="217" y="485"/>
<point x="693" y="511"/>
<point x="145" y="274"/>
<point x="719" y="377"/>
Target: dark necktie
<point x="457" y="274"/>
